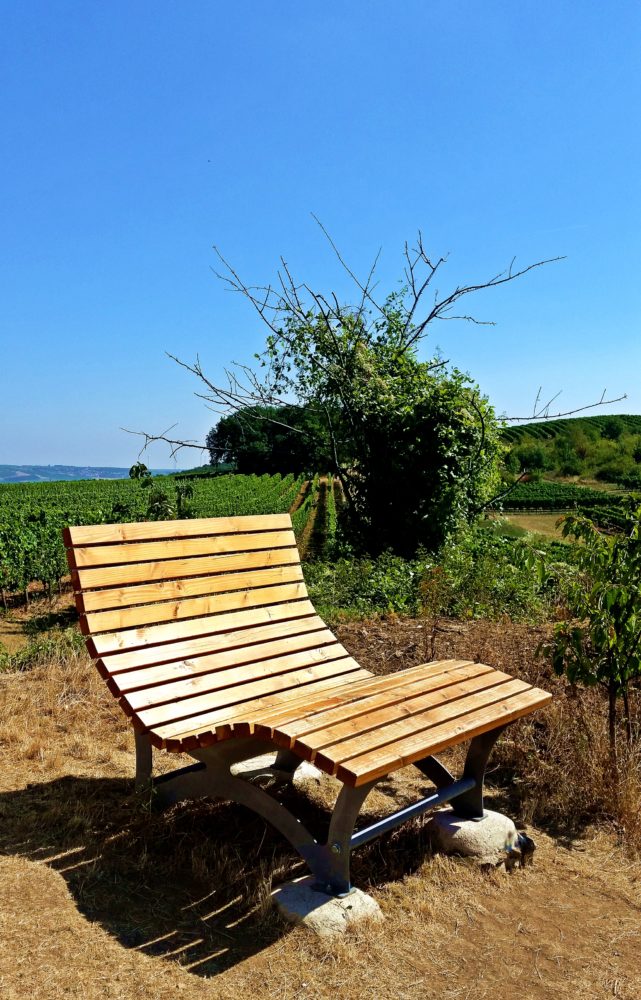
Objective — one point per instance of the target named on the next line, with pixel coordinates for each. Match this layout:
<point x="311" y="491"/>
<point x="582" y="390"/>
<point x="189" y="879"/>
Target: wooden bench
<point x="204" y="632"/>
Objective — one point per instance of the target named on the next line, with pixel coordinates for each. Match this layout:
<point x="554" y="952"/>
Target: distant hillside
<point x="605" y="447"/>
<point x="64" y="473"/>
<point x="546" y="429"/>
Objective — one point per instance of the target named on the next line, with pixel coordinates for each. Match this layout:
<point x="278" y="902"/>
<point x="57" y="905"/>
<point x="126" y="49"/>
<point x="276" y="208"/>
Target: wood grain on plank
<point x="205" y="645"/>
<point x="370" y="728"/>
<point x="180" y="548"/>
<point x="238" y="719"/>
<point x="110" y="643"/>
<point x="305" y="652"/>
<point x="173" y="611"/>
<point x="138" y="531"/>
<point x="179" y="711"/>
<point x="368" y="767"/>
<point x="175" y="590"/>
<point x="419" y="723"/>
<point x="239" y="684"/>
<point x="172" y="569"/>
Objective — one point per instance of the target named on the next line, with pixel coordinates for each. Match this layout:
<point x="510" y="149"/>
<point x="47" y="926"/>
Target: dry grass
<point x="102" y="896"/>
<point x="538" y="524"/>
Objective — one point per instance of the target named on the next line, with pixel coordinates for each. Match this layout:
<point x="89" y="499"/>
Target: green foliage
<point x="420" y="443"/>
<point x="547" y="495"/>
<point x="602" y="447"/>
<point x="56" y="644"/>
<point x="32" y="515"/>
<point x="602" y="642"/>
<point x="269" y="439"/>
<point x="481" y="576"/>
<point x="486" y="575"/>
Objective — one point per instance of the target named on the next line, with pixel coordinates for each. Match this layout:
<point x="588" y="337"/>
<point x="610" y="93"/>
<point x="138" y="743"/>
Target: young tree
<point x="602" y="643"/>
<point x="413" y="441"/>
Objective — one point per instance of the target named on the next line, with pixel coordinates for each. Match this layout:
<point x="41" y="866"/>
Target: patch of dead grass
<point x="102" y="896"/>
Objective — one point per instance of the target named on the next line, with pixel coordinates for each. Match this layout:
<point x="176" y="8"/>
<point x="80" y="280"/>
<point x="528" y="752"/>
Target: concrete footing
<point x="327" y="916"/>
<point x="493" y="840"/>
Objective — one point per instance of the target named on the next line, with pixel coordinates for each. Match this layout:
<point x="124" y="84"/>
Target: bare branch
<point x="569" y="413"/>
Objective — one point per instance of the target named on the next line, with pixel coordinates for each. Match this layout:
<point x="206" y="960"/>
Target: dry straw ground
<point x="103" y="897"/>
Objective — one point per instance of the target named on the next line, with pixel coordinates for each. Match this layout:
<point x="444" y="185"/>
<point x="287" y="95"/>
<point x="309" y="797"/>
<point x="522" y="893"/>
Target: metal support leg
<point x="437" y="773"/>
<point x="143" y="760"/>
<point x="470" y="804"/>
<point x="330" y="862"/>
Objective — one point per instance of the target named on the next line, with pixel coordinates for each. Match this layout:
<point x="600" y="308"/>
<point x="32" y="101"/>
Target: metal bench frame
<point x="329" y="861"/>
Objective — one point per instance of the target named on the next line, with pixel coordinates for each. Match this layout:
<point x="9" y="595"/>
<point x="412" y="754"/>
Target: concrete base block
<point x="326" y="916"/>
<point x="255" y="767"/>
<point x="493" y="840"/>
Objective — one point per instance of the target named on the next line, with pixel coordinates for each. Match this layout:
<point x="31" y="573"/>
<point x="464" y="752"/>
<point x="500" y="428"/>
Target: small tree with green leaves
<point x="602" y="643"/>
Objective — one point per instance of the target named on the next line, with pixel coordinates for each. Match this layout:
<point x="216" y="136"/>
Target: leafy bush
<point x="481" y="576"/>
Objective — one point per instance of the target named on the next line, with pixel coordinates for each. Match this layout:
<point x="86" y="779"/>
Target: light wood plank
<point x="176" y="590"/>
<point x="265" y="686"/>
<point x="110" y="643"/>
<point x="206" y="645"/>
<point x="420" y="723"/>
<point x="180" y="548"/>
<point x="370" y="766"/>
<point x="235" y="717"/>
<point x="397" y="697"/>
<point x="271" y="724"/>
<point x="372" y="725"/>
<point x="306" y="650"/>
<point x="149" y="530"/>
<point x="172" y="569"/>
<point x="244" y="689"/>
<point x="181" y="670"/>
<point x="197" y="607"/>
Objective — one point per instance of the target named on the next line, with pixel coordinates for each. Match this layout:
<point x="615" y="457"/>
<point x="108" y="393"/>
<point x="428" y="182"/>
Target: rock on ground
<point x="491" y="840"/>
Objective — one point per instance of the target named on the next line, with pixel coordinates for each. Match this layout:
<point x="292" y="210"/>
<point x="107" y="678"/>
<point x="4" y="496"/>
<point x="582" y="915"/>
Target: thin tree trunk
<point x="612" y="727"/>
<point x="628" y="717"/>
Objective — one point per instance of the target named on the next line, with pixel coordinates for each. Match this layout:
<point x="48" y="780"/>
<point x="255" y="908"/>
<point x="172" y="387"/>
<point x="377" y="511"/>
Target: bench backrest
<point x="176" y="610"/>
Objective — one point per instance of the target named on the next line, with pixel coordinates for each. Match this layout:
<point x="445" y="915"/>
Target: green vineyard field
<point x="32" y="515"/>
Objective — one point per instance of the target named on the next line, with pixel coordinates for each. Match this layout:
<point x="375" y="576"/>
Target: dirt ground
<point x="102" y="896"/>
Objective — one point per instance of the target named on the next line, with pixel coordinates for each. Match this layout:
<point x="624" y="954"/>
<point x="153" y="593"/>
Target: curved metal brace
<point x="328" y="862"/>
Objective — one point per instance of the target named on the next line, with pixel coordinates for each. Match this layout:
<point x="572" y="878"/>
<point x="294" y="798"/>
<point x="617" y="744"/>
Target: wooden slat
<point x="173" y="569"/>
<point x="108" y="643"/>
<point x="193" y="733"/>
<point x="369" y="766"/>
<point x="330" y="725"/>
<point x="231" y="693"/>
<point x="278" y="723"/>
<point x="371" y="727"/>
<point x="306" y="650"/>
<point x="256" y="718"/>
<point x="174" y="590"/>
<point x="197" y="647"/>
<point x="187" y="670"/>
<point x="176" y="734"/>
<point x="148" y="530"/>
<point x="180" y="548"/>
<point x="197" y="607"/>
<point x="420" y="723"/>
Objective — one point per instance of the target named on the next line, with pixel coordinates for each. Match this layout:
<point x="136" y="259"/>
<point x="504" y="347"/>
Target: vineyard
<point x="32" y="515"/>
<point x="542" y="495"/>
<point x="547" y="429"/>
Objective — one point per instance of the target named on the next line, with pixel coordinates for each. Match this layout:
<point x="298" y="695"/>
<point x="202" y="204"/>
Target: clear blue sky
<point x="136" y="135"/>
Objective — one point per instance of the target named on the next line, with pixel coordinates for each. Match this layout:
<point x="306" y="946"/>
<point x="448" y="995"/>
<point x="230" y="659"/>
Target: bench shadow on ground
<point x="190" y="884"/>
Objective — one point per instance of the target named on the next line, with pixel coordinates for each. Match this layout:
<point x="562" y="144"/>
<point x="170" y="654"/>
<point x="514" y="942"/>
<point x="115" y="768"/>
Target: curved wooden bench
<point x="204" y="632"/>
